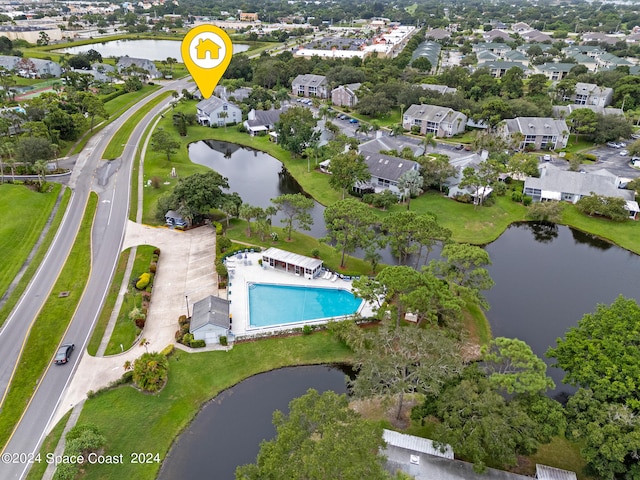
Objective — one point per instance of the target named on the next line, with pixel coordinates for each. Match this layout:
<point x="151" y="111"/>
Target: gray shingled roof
<point x="537" y="126"/>
<point x="556" y="67"/>
<point x="563" y="111"/>
<point x="309" y="80"/>
<point x="388" y="167"/>
<point x="431" y="113"/>
<point x="210" y="311"/>
<point x="554" y="179"/>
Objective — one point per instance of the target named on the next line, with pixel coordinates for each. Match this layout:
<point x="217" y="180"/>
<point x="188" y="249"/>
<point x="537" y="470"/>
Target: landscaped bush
<point x="500" y="189"/>
<point x="516" y="196"/>
<point x="143" y="281"/>
<point x="526" y="200"/>
<point x="218" y="227"/>
<point x="140" y="321"/>
<point x="153" y="268"/>
<point x="156" y="182"/>
<point x="224" y="243"/>
<point x="221" y="269"/>
<point x="168" y="350"/>
<point x="197" y="344"/>
<point x="315" y="253"/>
<point x="223" y="340"/>
<point x="222" y="284"/>
<point x="307" y="330"/>
<point x="156" y="252"/>
<point x="183" y="320"/>
<point x="150" y="372"/>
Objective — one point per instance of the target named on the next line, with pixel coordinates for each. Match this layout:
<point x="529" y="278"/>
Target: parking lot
<point x="611" y="159"/>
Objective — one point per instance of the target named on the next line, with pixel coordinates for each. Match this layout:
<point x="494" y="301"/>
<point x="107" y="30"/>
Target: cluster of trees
<point x="194" y="196"/>
<point x="602" y="358"/>
<point x="320" y="438"/>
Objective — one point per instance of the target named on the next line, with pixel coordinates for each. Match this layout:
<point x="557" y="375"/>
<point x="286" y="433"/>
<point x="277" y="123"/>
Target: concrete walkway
<point x="186" y="269"/>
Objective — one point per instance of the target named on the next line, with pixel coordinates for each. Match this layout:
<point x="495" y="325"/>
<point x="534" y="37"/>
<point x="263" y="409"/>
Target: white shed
<point x="210" y="319"/>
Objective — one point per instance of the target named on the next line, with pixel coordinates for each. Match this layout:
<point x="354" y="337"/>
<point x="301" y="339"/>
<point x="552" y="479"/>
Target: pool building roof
<point x="292" y="258"/>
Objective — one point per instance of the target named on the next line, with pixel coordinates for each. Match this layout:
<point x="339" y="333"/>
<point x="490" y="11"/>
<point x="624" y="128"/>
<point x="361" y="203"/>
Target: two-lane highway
<point x="111" y="180"/>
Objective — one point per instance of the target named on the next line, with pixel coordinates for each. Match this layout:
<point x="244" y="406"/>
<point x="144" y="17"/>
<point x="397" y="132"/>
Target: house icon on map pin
<point x="209" y="46"/>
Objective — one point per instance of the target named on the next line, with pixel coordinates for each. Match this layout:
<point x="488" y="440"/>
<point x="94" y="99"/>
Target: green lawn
<point x="121" y="137"/>
<point x="127" y="100"/>
<point x="109" y="304"/>
<point x="625" y="234"/>
<point x="21" y="227"/>
<point x="304" y="245"/>
<point x="150" y="423"/>
<point x="125" y="331"/>
<point x="48" y="446"/>
<point x="37" y="259"/>
<point x="49" y="327"/>
<point x="469" y="224"/>
<point x="156" y="164"/>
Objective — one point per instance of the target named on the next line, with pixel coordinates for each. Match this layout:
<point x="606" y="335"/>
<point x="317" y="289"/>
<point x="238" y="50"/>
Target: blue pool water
<point x="278" y="304"/>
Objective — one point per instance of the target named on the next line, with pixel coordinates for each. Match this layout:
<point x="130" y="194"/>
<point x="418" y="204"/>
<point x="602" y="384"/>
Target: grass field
<point x="149" y="423"/>
<point x="125" y="331"/>
<point x="35" y="262"/>
<point x="21" y="227"/>
<point x="120" y="139"/>
<point x="49" y="327"/>
<point x="109" y="304"/>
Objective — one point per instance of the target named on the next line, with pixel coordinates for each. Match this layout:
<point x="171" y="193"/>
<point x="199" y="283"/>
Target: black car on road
<point x="64" y="353"/>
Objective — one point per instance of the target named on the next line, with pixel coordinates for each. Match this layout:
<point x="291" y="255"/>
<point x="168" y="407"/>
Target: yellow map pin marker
<point x="206" y="52"/>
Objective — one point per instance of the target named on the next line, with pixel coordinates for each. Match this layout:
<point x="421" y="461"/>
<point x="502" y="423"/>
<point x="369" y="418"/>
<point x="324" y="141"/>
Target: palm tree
<point x="429" y="140"/>
<point x="41" y="169"/>
<point x="224" y="115"/>
<point x="397" y="129"/>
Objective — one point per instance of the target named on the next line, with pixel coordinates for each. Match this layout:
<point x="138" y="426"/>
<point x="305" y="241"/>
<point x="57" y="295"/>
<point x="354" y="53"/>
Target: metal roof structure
<point x="292" y="258"/>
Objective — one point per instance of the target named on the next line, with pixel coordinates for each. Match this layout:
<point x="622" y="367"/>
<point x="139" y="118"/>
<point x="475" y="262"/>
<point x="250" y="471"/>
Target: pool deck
<point x="250" y="271"/>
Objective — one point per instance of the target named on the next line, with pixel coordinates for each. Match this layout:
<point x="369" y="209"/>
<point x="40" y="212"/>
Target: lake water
<point x="155" y="50"/>
<point x="547" y="277"/>
<point x="255" y="175"/>
<point x="227" y="432"/>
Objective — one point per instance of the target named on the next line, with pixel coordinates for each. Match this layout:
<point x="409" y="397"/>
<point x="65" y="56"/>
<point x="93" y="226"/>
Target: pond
<point x="547" y="277"/>
<point x="256" y="176"/>
<point x="227" y="432"/>
<point x="155" y="50"/>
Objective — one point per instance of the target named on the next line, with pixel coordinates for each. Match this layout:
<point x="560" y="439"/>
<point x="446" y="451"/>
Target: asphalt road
<point x="111" y="180"/>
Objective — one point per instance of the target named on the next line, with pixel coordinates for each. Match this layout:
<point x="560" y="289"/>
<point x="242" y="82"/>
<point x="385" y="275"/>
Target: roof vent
<point x="381" y="160"/>
<point x="531" y="125"/>
<point x="399" y="165"/>
<point x="386" y="162"/>
<point x="546" y="125"/>
<point x="414" y="459"/>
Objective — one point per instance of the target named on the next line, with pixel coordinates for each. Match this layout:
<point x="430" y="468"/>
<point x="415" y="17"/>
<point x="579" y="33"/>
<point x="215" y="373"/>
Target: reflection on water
<point x="546" y="282"/>
<point x="256" y="176"/>
<point x="228" y="430"/>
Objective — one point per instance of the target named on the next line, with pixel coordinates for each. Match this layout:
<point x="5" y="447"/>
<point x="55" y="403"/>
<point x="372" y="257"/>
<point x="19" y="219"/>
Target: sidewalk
<point x="186" y="268"/>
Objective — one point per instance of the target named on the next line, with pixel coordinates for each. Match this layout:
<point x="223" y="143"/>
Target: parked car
<point x="613" y="145"/>
<point x="622" y="144"/>
<point x="636" y="136"/>
<point x="624" y="153"/>
<point x="546" y="157"/>
<point x="353" y="120"/>
<point x="460" y="147"/>
<point x="64" y="353"/>
<point x="342" y="117"/>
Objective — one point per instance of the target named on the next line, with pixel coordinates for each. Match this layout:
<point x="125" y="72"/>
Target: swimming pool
<point x="281" y="304"/>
